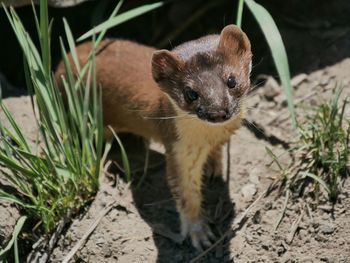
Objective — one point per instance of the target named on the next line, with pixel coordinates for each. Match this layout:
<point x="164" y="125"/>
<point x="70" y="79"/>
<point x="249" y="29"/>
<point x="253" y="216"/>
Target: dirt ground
<point x="142" y="225"/>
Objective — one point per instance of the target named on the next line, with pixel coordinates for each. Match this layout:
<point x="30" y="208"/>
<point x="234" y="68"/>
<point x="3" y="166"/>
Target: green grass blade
<point x="18" y="227"/>
<point x="239" y="13"/>
<point x="275" y="42"/>
<point x="274" y="157"/>
<point x="317" y="179"/>
<point x="121" y="19"/>
<point x="45" y="37"/>
<point x="115" y="11"/>
<point x="124" y="155"/>
<point x="71" y="44"/>
<point x="16" y="128"/>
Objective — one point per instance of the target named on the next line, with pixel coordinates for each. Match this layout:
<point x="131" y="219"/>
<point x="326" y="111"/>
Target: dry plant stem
<point x="92" y="227"/>
<point x="235" y="225"/>
<point x="294" y="228"/>
<point x="40" y="256"/>
<point x="279" y="220"/>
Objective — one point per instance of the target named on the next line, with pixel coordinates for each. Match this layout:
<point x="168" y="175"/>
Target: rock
<point x="249" y="239"/>
<point x="281" y="250"/>
<point x="327" y="229"/>
<point x="254" y="176"/>
<point x="303" y="234"/>
<point x="100" y="241"/>
<point x="271" y="89"/>
<point x="248" y="191"/>
<point x="257" y="217"/>
<point x="327" y="208"/>
<point x="268" y="206"/>
<point x="281" y="100"/>
<point x="298" y="79"/>
<point x="107" y="252"/>
<point x="324" y="80"/>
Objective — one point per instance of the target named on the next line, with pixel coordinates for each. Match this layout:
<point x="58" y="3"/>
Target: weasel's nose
<point x="218" y="116"/>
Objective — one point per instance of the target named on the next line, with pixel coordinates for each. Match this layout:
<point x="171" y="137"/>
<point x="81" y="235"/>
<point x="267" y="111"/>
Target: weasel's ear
<point x="233" y="40"/>
<point x="165" y="64"/>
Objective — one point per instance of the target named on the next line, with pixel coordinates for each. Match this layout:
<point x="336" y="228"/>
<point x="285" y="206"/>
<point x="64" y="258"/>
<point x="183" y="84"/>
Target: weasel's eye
<point x="190" y="95"/>
<point x="231" y="82"/>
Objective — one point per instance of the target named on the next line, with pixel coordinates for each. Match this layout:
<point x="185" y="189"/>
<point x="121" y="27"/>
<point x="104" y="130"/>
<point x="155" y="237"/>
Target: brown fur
<point x="143" y="93"/>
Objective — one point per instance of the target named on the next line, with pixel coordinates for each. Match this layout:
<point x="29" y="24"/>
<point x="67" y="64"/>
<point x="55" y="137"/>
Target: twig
<point x="92" y="227"/>
<point x="236" y="224"/>
<point x="41" y="253"/>
<point x="294" y="228"/>
<point x="283" y="211"/>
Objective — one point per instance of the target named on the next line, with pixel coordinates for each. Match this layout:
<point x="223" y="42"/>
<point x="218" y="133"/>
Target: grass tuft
<point x="321" y="152"/>
<point x="64" y="175"/>
<point x="59" y="174"/>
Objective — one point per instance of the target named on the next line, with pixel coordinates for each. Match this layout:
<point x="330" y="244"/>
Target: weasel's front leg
<point x="184" y="171"/>
<point x="213" y="166"/>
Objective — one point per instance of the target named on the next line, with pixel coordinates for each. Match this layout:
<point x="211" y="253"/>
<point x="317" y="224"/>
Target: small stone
<point x="327" y="229"/>
<point x="271" y="89"/>
<point x="257" y="217"/>
<point x="249" y="239"/>
<point x="303" y="234"/>
<point x="298" y="79"/>
<point x="325" y="216"/>
<point x="281" y="250"/>
<point x="320" y="238"/>
<point x="268" y="206"/>
<point x="107" y="252"/>
<point x="100" y="241"/>
<point x="327" y="208"/>
<point x="254" y="176"/>
<point x="324" y="81"/>
<point x="248" y="191"/>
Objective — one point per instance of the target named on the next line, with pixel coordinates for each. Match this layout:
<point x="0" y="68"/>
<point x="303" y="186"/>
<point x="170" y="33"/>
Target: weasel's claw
<point x="200" y="234"/>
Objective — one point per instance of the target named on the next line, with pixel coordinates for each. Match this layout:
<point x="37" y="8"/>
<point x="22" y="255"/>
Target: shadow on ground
<point x="155" y="205"/>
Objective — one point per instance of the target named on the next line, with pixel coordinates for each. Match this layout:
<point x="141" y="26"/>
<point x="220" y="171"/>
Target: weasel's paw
<point x="199" y="233"/>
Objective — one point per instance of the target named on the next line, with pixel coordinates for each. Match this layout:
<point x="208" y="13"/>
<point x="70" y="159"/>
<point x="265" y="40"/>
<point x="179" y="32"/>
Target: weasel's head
<point x="207" y="77"/>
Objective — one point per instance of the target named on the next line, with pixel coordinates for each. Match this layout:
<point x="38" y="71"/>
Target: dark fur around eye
<point x="190" y="95"/>
<point x="231" y="82"/>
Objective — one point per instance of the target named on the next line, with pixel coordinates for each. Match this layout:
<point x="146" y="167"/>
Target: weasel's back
<point x="129" y="93"/>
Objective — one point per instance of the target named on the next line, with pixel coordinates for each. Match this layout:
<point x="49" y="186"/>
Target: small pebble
<point x="100" y="241"/>
<point x="254" y="176"/>
<point x="303" y="233"/>
<point x="271" y="89"/>
<point x="327" y="229"/>
<point x="298" y="79"/>
<point x="248" y="191"/>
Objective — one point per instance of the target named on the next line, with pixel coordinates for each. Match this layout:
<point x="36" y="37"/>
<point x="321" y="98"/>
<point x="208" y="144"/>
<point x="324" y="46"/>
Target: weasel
<point x="191" y="99"/>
